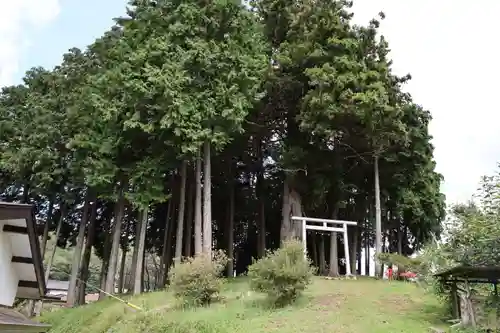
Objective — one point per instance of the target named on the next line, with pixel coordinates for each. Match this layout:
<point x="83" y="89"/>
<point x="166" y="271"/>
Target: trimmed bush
<point x="196" y="281"/>
<point x="283" y="274"/>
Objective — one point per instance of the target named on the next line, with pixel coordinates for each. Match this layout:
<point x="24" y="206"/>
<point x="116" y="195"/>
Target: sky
<point x="447" y="46"/>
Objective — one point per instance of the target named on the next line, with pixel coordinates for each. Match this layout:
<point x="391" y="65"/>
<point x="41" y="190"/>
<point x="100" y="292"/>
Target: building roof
<point x="18" y="222"/>
<point x="54" y="285"/>
<point x="14" y="322"/>
<point x="478" y="274"/>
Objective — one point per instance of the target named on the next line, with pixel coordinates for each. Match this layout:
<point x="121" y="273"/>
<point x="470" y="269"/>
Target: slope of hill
<point x="351" y="306"/>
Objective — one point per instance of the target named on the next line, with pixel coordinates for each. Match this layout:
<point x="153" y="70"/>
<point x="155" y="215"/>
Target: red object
<point x="408" y="274"/>
<point x="389" y="273"/>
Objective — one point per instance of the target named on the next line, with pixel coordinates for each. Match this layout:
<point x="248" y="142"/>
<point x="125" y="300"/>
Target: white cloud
<point x="16" y="18"/>
<point x="449" y="48"/>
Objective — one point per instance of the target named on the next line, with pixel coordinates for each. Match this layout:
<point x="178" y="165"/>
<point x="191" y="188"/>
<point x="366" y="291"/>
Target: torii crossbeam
<point x="326" y="225"/>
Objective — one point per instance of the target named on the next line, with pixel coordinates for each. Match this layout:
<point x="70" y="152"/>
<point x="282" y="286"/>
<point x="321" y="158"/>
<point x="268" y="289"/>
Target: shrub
<point x="197" y="280"/>
<point x="403" y="262"/>
<point x="282" y="274"/>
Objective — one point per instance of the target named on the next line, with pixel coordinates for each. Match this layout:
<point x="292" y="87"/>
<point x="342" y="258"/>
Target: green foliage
<point x="403" y="262"/>
<point x="432" y="260"/>
<point x="283" y="274"/>
<point x="196" y="281"/>
<point x="201" y="67"/>
<point x="471" y="239"/>
<point x="473" y="235"/>
<point x="61" y="266"/>
<point x="333" y="86"/>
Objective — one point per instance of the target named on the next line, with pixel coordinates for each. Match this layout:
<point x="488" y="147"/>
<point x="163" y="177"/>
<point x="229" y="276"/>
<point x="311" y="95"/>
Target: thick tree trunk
<point x="166" y="244"/>
<point x="384" y="242"/>
<point x="156" y="270"/>
<point x="358" y="250"/>
<point x="140" y="252"/>
<point x="115" y="243"/>
<point x="123" y="262"/>
<point x="334" y="255"/>
<point x="133" y="265"/>
<point x="180" y="217"/>
<point x="391" y="235"/>
<point x="147" y="278"/>
<point x="360" y="213"/>
<point x="285" y="212"/>
<point x="143" y="273"/>
<point x="198" y="237"/>
<point x="378" y="220"/>
<point x="390" y="241"/>
<point x="261" y="241"/>
<point x="169" y="254"/>
<point x="314" y="255"/>
<point x="46" y="227"/>
<point x="400" y="239"/>
<point x="26" y="194"/>
<point x="353" y="245"/>
<point x="230" y="226"/>
<point x="105" y="259"/>
<point x="77" y="254"/>
<point x="58" y="231"/>
<point x="367" y="259"/>
<point x="384" y="249"/>
<point x="405" y="238"/>
<point x="84" y="272"/>
<point x="368" y="228"/>
<point x="321" y="250"/>
<point x="121" y="275"/>
<point x="296" y="210"/>
<point x="207" y="201"/>
<point x="188" y="235"/>
<point x="262" y="228"/>
<point x="334" y="252"/>
<point x="292" y="206"/>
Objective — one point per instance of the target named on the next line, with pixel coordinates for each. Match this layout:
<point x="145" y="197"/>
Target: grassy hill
<point x="345" y="306"/>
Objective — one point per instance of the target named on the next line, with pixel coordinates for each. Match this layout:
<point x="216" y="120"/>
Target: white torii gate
<point x="326" y="226"/>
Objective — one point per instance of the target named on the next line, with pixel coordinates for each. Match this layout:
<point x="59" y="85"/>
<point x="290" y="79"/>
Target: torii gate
<point x="327" y="225"/>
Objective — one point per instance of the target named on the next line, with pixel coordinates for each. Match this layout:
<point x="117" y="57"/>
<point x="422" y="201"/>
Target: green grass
<point x="346" y="306"/>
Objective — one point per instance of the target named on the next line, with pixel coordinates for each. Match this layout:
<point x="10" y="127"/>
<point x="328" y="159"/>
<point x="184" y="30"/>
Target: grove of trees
<point x="197" y="125"/>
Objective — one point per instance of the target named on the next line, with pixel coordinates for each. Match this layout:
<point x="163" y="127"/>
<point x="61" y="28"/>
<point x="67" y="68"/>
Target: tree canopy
<point x="227" y="118"/>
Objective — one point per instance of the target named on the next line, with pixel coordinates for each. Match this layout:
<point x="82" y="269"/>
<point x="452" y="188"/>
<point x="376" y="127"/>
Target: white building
<point x="21" y="267"/>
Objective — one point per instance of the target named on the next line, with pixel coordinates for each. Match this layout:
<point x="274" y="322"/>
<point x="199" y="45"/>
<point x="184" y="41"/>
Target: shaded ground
<point x="329" y="306"/>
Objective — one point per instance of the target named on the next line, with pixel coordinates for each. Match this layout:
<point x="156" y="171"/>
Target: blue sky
<point x="78" y="24"/>
<point x="448" y="47"/>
